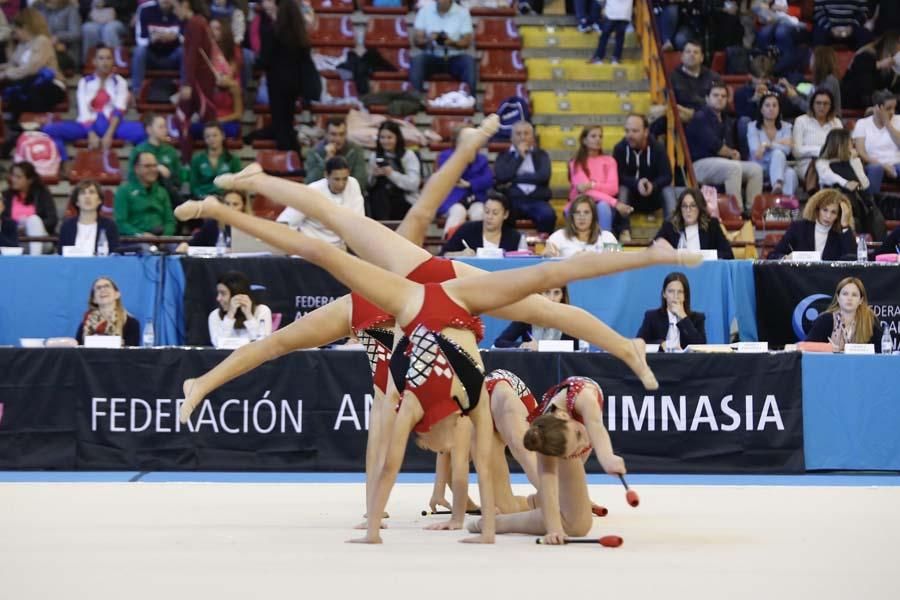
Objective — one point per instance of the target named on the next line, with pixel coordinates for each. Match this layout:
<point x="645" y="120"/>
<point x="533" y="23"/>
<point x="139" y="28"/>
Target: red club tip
<point x="611" y="541"/>
<point x="632" y="497"/>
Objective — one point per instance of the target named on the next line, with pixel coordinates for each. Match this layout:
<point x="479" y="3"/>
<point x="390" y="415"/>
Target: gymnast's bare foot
<point x="473" y="138"/>
<point x="636" y="359"/>
<point x="191" y="400"/>
<point x="368" y="539"/>
<point x="365" y="525"/>
<point x="195" y="209"/>
<point x="242" y="180"/>
<point x="663" y="253"/>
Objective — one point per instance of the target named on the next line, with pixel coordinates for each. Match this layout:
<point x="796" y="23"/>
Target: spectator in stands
<point x="29" y="203"/>
<point x="678" y="22"/>
<point x="102" y="99"/>
<point x="874" y="67"/>
<point x="747" y="98"/>
<point x="581" y="233"/>
<point x="691" y="81"/>
<point x="587" y="13"/>
<point x="106" y="315"/>
<point x="885" y="16"/>
<point x="824" y="228"/>
<point x="290" y="74"/>
<point x="64" y="24"/>
<point x="840" y="22"/>
<point x="877" y="140"/>
<point x="443" y="30"/>
<point x="32" y="81"/>
<point x="525" y="336"/>
<point x="9" y="234"/>
<point x="692" y="227"/>
<point x="711" y="139"/>
<point x="208" y="234"/>
<point x="143" y="208"/>
<point x="338" y="186"/>
<point x="226" y="96"/>
<point x="769" y="139"/>
<point x="234" y="12"/>
<point x="848" y="319"/>
<point x="810" y="131"/>
<point x="779" y="29"/>
<point x="823" y="65"/>
<point x="838" y="166"/>
<point x="617" y="17"/>
<point x="83" y="230"/>
<point x="494" y="231"/>
<point x="595" y="174"/>
<point x="214" y="161"/>
<point x="674" y="326"/>
<point x="104" y="24"/>
<point x="467" y="198"/>
<point x="395" y="174"/>
<point x="237" y="315"/>
<point x="645" y="176"/>
<point x="523" y="174"/>
<point x="157" y="36"/>
<point x="167" y="157"/>
<point x="335" y="144"/>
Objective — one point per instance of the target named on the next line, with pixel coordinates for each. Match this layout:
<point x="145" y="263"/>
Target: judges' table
<point x="97" y="409"/>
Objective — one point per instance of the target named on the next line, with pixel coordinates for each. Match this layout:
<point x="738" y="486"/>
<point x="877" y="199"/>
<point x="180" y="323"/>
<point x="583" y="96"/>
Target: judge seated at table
<point x="848" y="319"/>
<point x="824" y="228"/>
<point x="674" y="326"/>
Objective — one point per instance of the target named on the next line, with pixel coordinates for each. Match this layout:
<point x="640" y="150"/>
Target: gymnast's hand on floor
<point x="554" y="539"/>
<point x="450" y="525"/>
<point x="437" y="501"/>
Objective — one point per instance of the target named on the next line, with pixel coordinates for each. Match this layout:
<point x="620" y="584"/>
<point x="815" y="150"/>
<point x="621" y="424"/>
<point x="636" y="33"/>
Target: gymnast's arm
<point x="322" y="326"/>
<point x="548" y="494"/>
<point x="589" y="409"/>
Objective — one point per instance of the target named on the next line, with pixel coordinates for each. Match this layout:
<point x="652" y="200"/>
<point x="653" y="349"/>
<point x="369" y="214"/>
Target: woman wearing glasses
<point x="691" y="226"/>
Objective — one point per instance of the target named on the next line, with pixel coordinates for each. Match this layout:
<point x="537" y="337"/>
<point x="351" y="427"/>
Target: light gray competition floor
<point x="222" y="536"/>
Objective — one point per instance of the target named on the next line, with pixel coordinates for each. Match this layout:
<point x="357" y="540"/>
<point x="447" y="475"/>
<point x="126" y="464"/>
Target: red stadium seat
<point x="387" y="32"/>
<point x="844" y="58"/>
<point x="143" y="105"/>
<point x="99" y="165"/>
<point x="399" y="57"/>
<point x="121" y="61"/>
<point x="497" y="34"/>
<point x="502" y="65"/>
<point x="337" y="88"/>
<point x="439" y="88"/>
<point x="769" y="242"/>
<point x="328" y="7"/>
<point x="444" y="126"/>
<point x="281" y="163"/>
<point x="333" y="31"/>
<point x="500" y="11"/>
<point x="671" y="60"/>
<point x="719" y="62"/>
<point x="84" y="144"/>
<point x="730" y="212"/>
<point x="377" y="87"/>
<point x="769" y="213"/>
<point x="338" y="52"/>
<point x="265" y="208"/>
<point x="495" y="93"/>
<point x="366" y="6"/>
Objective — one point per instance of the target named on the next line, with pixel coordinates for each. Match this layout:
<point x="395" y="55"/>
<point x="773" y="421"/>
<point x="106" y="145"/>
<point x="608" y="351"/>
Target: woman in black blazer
<point x="691" y="216"/>
<point x="675" y="309"/>
<point x="848" y="319"/>
<point x="494" y="228"/>
<point x="86" y="199"/>
<point x="827" y="215"/>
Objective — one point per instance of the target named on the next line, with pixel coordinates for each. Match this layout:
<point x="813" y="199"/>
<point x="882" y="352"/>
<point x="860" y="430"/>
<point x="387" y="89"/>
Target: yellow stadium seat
<point x="578" y="70"/>
<point x="559" y="174"/>
<point x="589" y="103"/>
<point x="554" y="137"/>
<point x="535" y="36"/>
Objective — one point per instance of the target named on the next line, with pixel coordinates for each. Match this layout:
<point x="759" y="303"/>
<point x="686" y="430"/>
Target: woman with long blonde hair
<point x="106" y="315"/>
<point x="848" y="319"/>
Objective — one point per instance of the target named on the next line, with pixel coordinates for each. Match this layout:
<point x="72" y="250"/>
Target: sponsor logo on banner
<point x="807" y="311"/>
<point x="232" y="416"/>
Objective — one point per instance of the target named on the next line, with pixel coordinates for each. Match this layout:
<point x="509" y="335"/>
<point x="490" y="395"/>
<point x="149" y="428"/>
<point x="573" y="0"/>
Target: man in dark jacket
<point x="523" y="174"/>
<point x="645" y="176"/>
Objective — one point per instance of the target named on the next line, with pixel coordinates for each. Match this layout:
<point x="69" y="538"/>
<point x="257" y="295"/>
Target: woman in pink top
<point x="596" y="175"/>
<point x="29" y="203"/>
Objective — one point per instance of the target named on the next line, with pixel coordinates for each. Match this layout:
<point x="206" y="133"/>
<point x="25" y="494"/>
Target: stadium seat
<point x="399" y="57"/>
<point x="496" y="92"/>
<point x="444" y="126"/>
<point x="439" y="88"/>
<point x="730" y="212"/>
<point x="769" y="242"/>
<point x="330" y="7"/>
<point x="502" y="65"/>
<point x="497" y="34"/>
<point x="335" y="52"/>
<point x="384" y="85"/>
<point x="340" y="90"/>
<point x="772" y="212"/>
<point x="488" y="11"/>
<point x="387" y="32"/>
<point x="265" y="208"/>
<point x="99" y="165"/>
<point x="282" y="163"/>
<point x="367" y="8"/>
<point x="590" y="103"/>
<point x="334" y="31"/>
<point x="121" y="61"/>
<point x="143" y="105"/>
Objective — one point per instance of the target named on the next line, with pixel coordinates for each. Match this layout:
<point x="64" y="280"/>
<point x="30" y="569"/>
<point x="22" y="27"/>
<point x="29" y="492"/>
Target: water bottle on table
<point x="887" y="342"/>
<point x="221" y="245"/>
<point x="102" y="244"/>
<point x="149" y="336"/>
<point x="862" y="251"/>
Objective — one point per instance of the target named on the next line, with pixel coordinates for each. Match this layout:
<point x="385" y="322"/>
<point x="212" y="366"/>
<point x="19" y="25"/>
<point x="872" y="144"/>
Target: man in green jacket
<point x="144" y="208"/>
<point x="166" y="155"/>
<point x="336" y="144"/>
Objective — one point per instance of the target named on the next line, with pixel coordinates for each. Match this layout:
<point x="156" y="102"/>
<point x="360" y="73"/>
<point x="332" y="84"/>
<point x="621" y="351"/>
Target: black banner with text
<point x="94" y="409"/>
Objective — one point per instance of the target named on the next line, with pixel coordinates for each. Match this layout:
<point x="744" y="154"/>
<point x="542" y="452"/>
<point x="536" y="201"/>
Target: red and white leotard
<point x="573" y="386"/>
<point x="518" y="386"/>
<point x="430" y="373"/>
<point x="374" y="328"/>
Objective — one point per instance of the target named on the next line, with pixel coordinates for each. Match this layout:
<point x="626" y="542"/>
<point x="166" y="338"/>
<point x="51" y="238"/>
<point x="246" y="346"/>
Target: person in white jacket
<point x="102" y="102"/>
<point x="237" y="314"/>
<point x="617" y="17"/>
<point x="810" y="131"/>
